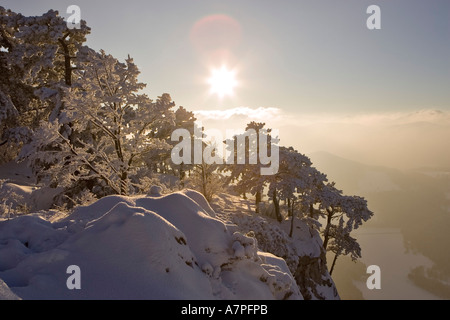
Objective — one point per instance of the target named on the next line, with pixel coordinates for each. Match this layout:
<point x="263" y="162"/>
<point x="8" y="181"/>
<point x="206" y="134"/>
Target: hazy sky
<point x="295" y="61"/>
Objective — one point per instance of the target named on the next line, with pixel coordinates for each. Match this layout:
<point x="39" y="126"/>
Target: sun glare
<point x="222" y="82"/>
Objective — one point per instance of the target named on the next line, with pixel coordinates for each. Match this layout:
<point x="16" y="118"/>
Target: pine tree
<point x="341" y="243"/>
<point x="186" y="120"/>
<point x="245" y="169"/>
<point x="35" y="61"/>
<point x="112" y="126"/>
<point x="295" y="182"/>
<point x="183" y="119"/>
<point x="343" y="214"/>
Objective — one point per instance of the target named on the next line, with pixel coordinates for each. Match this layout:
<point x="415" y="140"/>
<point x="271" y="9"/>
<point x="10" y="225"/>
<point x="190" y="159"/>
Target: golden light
<point x="222" y="82"/>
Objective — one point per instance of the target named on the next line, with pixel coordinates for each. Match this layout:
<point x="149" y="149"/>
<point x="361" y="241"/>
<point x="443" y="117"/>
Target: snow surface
<point x="142" y="247"/>
<point x="18" y="187"/>
<point x="35" y="198"/>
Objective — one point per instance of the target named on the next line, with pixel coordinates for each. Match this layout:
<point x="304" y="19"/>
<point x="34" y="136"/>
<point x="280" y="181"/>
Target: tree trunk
<point x="326" y="234"/>
<point x="67" y="63"/>
<point x="123" y="183"/>
<point x="334" y="263"/>
<point x="291" y="213"/>
<point x="257" y="201"/>
<point x="276" y="204"/>
<point x="181" y="172"/>
<point x="204" y="182"/>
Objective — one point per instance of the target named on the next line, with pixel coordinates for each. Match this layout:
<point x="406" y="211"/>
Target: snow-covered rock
<point x="30" y="197"/>
<point x="143" y="247"/>
<point x="303" y="253"/>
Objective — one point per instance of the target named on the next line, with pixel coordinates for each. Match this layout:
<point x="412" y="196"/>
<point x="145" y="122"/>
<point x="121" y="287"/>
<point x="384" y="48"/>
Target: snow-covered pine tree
<point x="186" y="120"/>
<point x="160" y="160"/>
<point x="35" y="60"/>
<point x="112" y="127"/>
<point x="205" y="178"/>
<point x="245" y="169"/>
<point x="343" y="214"/>
<point x="295" y="182"/>
<point x="341" y="243"/>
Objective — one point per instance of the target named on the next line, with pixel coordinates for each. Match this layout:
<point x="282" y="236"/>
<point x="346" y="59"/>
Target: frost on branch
<point x="36" y="61"/>
<point x="112" y="127"/>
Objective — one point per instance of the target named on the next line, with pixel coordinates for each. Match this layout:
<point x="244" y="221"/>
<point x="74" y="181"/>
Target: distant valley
<point x="415" y="202"/>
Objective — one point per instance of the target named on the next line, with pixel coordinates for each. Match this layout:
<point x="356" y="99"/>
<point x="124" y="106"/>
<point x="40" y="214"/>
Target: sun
<point x="222" y="82"/>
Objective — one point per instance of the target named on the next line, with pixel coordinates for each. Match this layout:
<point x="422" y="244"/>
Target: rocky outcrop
<point x="303" y="252"/>
<point x="313" y="279"/>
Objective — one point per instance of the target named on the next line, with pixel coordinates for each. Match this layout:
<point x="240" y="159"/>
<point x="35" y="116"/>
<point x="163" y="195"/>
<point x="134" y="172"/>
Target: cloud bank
<point x="401" y="140"/>
<point x="255" y="114"/>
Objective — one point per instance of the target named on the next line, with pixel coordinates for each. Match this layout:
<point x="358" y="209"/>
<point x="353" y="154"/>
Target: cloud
<point x="395" y="139"/>
<point x="402" y="140"/>
<point x="431" y="116"/>
<point x="282" y="118"/>
<point x="257" y="114"/>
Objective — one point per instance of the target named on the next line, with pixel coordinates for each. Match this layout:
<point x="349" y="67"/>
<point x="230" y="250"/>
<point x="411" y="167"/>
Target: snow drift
<point x="140" y="247"/>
